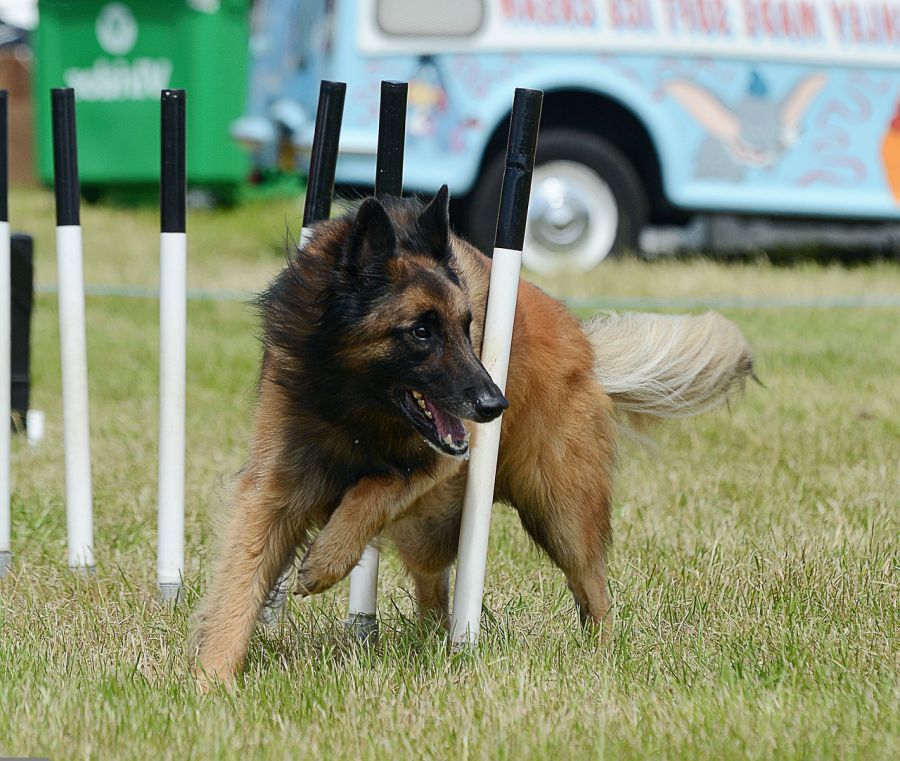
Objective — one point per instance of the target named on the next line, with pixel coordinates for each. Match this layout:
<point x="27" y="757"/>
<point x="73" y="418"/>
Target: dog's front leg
<point x="256" y="541"/>
<point x="369" y="506"/>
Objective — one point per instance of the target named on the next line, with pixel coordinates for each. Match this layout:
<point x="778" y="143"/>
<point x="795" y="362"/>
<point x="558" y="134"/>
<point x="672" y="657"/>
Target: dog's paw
<point x="203" y="683"/>
<point x="324" y="565"/>
<point x="312" y="581"/>
<point x="210" y="679"/>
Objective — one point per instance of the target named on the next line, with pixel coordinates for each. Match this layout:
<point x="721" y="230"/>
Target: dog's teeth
<point x="417" y="395"/>
<point x="428" y="414"/>
<point x="448" y="440"/>
<point x="422" y="403"/>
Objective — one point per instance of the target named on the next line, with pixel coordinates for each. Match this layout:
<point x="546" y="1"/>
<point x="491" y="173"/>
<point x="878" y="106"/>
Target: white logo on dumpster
<point x="140" y="79"/>
<point x="118" y="78"/>
<point x="117" y="30"/>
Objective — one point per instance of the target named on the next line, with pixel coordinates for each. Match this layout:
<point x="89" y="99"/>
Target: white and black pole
<point x="5" y="341"/>
<point x="465" y="623"/>
<point x="316" y="208"/>
<point x="73" y="348"/>
<point x="362" y="620"/>
<point x="172" y="344"/>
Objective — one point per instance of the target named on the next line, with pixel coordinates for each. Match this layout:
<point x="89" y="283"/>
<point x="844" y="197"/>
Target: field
<point x="754" y="573"/>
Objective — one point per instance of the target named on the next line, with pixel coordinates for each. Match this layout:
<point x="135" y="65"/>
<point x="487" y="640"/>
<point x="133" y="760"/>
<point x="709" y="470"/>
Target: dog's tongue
<point x="446" y="423"/>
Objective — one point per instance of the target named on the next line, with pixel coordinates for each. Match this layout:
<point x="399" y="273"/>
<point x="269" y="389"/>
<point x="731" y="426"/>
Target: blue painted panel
<point x="737" y="131"/>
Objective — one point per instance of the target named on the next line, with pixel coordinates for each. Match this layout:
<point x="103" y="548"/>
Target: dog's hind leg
<point x="577" y="543"/>
<point x="589" y="589"/>
<point x="256" y="541"/>
<point x="432" y="594"/>
<point x="560" y="483"/>
<point x="575" y="536"/>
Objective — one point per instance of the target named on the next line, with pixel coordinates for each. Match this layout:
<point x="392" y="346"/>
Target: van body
<point x="654" y="109"/>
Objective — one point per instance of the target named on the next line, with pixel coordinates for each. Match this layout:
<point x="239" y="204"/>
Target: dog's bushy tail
<point x="668" y="366"/>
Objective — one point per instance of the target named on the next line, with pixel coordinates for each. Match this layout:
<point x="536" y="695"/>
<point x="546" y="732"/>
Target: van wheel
<point x="587" y="203"/>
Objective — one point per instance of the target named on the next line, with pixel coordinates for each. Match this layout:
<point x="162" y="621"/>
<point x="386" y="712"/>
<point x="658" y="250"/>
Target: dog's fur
<point x="384" y="301"/>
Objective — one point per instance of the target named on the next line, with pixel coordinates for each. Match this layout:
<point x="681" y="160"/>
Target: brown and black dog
<point x="370" y="385"/>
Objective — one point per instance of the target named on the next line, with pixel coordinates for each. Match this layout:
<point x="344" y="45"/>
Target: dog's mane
<point x="311" y="292"/>
<point x="311" y="307"/>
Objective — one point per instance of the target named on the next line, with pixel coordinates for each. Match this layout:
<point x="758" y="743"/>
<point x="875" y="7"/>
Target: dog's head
<point x="409" y="335"/>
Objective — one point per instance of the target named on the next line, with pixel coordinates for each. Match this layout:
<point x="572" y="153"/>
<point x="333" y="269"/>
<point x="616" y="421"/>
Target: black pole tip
<point x="324" y="154"/>
<point x="172" y="173"/>
<point x="65" y="157"/>
<point x="524" y="124"/>
<point x="393" y="88"/>
<point x="332" y="88"/>
<point x="391" y="139"/>
<point x="529" y="97"/>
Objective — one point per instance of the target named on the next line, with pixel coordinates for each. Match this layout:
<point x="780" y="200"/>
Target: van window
<point x="425" y="18"/>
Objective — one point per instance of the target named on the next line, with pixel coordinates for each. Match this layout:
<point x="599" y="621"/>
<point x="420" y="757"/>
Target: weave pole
<point x="362" y="621"/>
<point x="465" y="622"/>
<point x="5" y="341"/>
<point x="70" y="269"/>
<point x="316" y="208"/>
<point x="172" y="344"/>
<point x="324" y="155"/>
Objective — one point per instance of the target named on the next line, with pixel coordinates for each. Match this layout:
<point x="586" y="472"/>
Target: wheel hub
<point x="572" y="218"/>
<point x="559" y="218"/>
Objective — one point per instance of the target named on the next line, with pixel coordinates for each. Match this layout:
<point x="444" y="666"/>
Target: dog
<point x="371" y="385"/>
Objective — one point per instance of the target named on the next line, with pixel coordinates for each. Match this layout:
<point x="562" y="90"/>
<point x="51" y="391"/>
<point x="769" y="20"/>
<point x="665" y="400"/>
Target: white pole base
<point x="362" y="621"/>
<point x="172" y="389"/>
<point x="363" y="627"/>
<point x="465" y="622"/>
<point x="170" y="592"/>
<point x="5" y="563"/>
<point x="274" y="608"/>
<point x="468" y="593"/>
<point x="34" y="426"/>
<point x="76" y="432"/>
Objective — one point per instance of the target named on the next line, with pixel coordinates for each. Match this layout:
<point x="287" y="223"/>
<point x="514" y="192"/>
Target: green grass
<point x="754" y="572"/>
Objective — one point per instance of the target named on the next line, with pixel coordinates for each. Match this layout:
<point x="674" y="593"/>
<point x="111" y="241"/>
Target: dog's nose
<point x="489" y="406"/>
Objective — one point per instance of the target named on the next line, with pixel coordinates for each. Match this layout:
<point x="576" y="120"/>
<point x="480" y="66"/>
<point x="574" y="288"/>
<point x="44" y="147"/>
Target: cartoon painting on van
<point x="754" y="132"/>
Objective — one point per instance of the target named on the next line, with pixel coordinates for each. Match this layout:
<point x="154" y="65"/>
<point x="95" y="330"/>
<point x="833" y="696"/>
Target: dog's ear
<point x="433" y="225"/>
<point x="371" y="240"/>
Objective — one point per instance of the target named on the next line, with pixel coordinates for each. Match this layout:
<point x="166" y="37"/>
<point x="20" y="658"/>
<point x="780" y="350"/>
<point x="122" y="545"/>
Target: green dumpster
<point x="118" y="56"/>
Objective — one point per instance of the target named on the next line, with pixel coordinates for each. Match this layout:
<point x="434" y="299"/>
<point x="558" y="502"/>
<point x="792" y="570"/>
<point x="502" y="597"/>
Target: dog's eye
<point x="421" y="332"/>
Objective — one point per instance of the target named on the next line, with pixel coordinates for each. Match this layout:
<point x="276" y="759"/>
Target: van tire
<point x="566" y="147"/>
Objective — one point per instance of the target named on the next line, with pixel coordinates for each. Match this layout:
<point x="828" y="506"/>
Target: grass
<point x="754" y="572"/>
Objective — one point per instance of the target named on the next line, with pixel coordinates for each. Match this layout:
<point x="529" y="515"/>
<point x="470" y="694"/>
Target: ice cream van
<point x="654" y="110"/>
